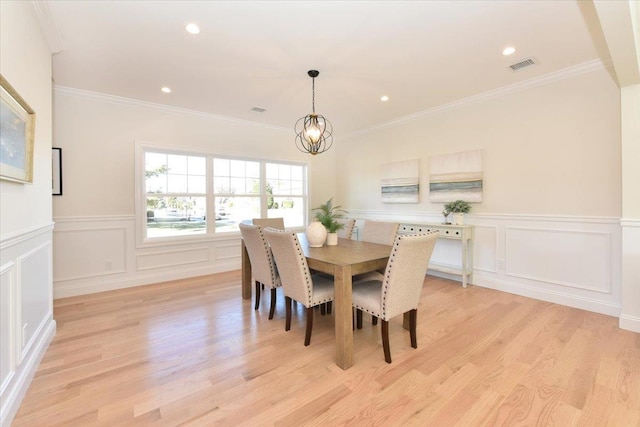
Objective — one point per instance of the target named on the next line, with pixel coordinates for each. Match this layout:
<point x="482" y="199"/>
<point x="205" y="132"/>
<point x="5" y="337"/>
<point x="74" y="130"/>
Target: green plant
<point x="459" y="206"/>
<point x="327" y="215"/>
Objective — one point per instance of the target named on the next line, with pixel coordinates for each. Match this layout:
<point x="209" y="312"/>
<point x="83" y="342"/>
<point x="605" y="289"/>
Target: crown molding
<point x="130" y="102"/>
<point x="48" y="25"/>
<point x="566" y="73"/>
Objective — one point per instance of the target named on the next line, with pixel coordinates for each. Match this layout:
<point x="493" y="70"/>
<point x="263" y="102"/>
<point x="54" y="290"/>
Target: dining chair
<point x="347" y="230"/>
<point x="263" y="267"/>
<point x="379" y="232"/>
<point x="297" y="281"/>
<point x="269" y="222"/>
<point x="399" y="290"/>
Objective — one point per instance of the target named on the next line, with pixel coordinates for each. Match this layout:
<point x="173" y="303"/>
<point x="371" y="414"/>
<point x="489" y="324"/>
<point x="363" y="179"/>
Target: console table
<point x="464" y="233"/>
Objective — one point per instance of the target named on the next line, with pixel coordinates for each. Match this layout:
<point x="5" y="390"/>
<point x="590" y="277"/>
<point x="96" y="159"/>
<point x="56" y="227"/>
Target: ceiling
<point x="422" y="54"/>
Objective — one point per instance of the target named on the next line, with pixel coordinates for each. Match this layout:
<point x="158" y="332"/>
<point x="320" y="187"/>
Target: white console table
<point x="464" y="233"/>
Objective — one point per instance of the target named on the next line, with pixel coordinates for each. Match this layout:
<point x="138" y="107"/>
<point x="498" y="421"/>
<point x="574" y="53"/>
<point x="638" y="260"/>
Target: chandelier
<point x="313" y="131"/>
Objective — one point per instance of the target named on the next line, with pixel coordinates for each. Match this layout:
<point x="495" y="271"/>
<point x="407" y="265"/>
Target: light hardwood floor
<point x="192" y="352"/>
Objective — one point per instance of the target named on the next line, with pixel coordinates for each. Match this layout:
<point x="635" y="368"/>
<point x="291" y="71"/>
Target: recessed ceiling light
<point x="384" y="98"/>
<point x="193" y="28"/>
<point x="166" y="89"/>
<point x="508" y="51"/>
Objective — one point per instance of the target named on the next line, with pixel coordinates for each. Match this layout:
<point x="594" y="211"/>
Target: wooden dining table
<point x="342" y="261"/>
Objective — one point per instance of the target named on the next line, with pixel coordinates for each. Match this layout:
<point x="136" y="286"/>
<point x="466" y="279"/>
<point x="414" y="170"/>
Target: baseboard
<point x="16" y="392"/>
<point x="629" y="323"/>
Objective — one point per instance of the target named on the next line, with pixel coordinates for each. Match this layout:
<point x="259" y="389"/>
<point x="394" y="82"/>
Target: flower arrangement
<point x="327" y="215"/>
<point x="459" y="206"/>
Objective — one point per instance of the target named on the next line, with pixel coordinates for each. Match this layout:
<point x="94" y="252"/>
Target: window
<point x="245" y="189"/>
<point x="175" y="192"/>
<point x="285" y="193"/>
<point x="193" y="194"/>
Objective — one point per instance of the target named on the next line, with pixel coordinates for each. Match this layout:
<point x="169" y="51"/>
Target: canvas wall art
<point x="400" y="182"/>
<point x="456" y="176"/>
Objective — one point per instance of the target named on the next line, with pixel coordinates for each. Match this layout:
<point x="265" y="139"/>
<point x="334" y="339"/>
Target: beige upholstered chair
<point x="347" y="231"/>
<point x="379" y="232"/>
<point x="263" y="267"/>
<point x="399" y="291"/>
<point x="297" y="281"/>
<point x="269" y="222"/>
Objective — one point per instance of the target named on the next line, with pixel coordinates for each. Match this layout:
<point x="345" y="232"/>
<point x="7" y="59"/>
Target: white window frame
<point x="141" y="197"/>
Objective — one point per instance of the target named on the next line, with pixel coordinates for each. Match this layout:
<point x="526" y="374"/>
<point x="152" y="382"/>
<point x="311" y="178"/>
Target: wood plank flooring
<point x="193" y="353"/>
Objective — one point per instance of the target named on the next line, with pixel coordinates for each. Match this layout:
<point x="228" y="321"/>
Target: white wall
<point x="548" y="226"/>
<point x="26" y="318"/>
<point x="630" y="316"/>
<point x="95" y="217"/>
<point x="547" y="150"/>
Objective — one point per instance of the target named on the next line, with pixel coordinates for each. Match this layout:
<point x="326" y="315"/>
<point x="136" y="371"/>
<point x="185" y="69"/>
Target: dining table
<point x="342" y="261"/>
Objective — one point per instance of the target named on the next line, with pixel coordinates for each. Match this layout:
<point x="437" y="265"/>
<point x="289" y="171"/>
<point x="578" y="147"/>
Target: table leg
<point x="465" y="267"/>
<point x="343" y="313"/>
<point x="246" y="272"/>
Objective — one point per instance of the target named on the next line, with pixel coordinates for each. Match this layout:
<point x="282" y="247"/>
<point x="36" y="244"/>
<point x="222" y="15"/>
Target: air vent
<point x="525" y="63"/>
<point x="259" y="109"/>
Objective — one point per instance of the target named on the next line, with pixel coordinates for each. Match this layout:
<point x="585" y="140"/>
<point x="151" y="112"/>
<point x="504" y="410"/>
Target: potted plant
<point x="327" y="214"/>
<point x="458" y="209"/>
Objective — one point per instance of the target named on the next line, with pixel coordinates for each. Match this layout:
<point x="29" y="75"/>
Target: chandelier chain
<point x="313" y="95"/>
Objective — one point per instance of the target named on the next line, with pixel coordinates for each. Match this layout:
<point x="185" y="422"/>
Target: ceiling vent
<point x="259" y="109"/>
<point x="525" y="63"/>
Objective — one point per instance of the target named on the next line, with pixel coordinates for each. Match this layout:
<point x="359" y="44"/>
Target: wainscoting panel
<point x="568" y="260"/>
<point x="96" y="254"/>
<point x="579" y="259"/>
<point x="89" y="252"/>
<point x="228" y="250"/>
<point x="171" y="258"/>
<point x="7" y="325"/>
<point x="26" y="311"/>
<point x="573" y="261"/>
<point x="36" y="305"/>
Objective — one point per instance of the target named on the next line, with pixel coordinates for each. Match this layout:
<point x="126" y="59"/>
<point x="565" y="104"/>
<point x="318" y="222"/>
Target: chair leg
<point x="287" y="305"/>
<point x="272" y="309"/>
<point x="385" y="341"/>
<point x="307" y="335"/>
<point x="257" y="295"/>
<point x="358" y="318"/>
<point x="323" y="309"/>
<point x="329" y="305"/>
<point x="413" y="314"/>
<point x="374" y="320"/>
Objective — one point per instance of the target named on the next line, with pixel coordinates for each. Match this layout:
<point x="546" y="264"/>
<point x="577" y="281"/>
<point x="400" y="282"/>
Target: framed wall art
<point x="56" y="171"/>
<point x="17" y="130"/>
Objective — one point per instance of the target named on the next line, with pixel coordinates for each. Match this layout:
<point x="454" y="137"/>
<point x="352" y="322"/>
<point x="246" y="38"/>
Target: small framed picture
<point x="56" y="171"/>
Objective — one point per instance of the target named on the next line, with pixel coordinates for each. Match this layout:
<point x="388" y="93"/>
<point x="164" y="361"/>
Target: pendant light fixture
<point x="313" y="131"/>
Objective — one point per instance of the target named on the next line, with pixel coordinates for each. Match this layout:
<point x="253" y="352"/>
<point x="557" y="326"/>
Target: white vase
<point x="458" y="218"/>
<point x="332" y="239"/>
<point x="316" y="234"/>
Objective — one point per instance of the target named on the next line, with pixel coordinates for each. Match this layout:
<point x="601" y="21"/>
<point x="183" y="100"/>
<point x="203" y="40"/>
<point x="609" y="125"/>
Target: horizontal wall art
<point x="400" y="182"/>
<point x="456" y="176"/>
